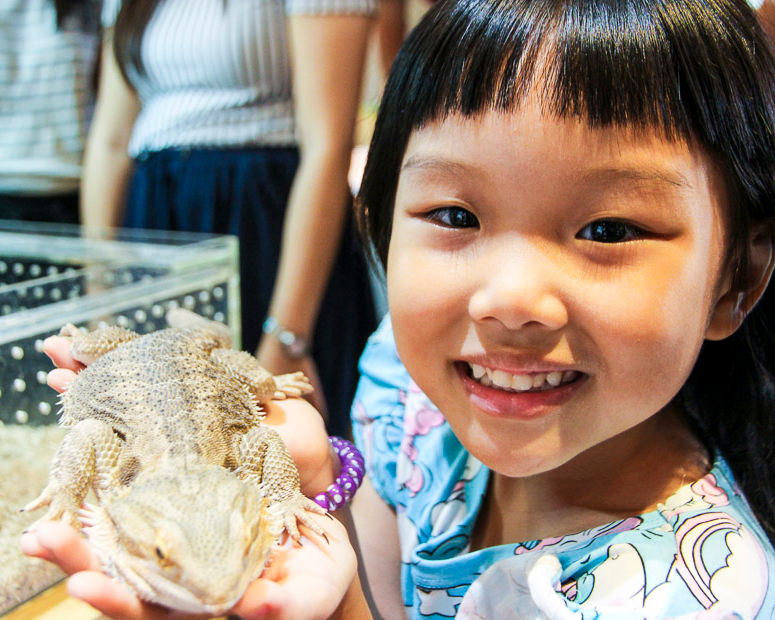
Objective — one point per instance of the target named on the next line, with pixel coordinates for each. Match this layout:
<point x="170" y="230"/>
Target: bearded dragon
<point x="192" y="490"/>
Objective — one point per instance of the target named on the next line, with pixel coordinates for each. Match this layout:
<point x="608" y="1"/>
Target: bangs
<point x="688" y="69"/>
<point x="608" y="63"/>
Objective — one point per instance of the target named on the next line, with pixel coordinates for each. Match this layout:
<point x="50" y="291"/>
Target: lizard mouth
<point x="175" y="596"/>
<point x="153" y="586"/>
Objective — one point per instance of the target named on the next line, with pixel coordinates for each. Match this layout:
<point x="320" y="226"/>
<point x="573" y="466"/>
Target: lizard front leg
<point x="88" y="346"/>
<point x="87" y="457"/>
<point x="212" y="334"/>
<point x="265" y="461"/>
<point x="262" y="383"/>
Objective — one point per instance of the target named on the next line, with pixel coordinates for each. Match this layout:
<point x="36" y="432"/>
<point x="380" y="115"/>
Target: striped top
<point x="218" y="72"/>
<point x="46" y="97"/>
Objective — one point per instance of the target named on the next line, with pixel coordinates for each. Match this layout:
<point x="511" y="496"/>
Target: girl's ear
<point x="734" y="305"/>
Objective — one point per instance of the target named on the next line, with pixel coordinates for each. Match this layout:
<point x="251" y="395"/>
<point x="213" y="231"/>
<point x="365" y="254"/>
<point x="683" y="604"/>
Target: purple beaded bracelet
<point x="349" y="479"/>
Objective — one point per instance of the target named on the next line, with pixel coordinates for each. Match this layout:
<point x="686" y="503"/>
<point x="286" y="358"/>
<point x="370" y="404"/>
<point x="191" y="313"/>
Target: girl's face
<point x="550" y="285"/>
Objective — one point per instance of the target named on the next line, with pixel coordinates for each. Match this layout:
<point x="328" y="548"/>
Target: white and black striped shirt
<point x="218" y="73"/>
<point x="46" y="95"/>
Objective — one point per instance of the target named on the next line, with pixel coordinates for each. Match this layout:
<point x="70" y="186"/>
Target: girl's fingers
<point x="114" y="599"/>
<point x="60" y="378"/>
<point x="58" y="349"/>
<point x="30" y="545"/>
<point x="61" y="544"/>
<point x="263" y="600"/>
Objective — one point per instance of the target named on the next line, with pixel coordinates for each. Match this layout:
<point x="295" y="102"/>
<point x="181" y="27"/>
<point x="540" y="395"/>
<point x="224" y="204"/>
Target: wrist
<point x="294" y="345"/>
<point x="354" y="604"/>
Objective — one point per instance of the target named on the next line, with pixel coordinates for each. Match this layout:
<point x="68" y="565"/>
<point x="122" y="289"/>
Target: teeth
<point x="521" y="382"/>
<point x="555" y="378"/>
<point x="501" y="379"/>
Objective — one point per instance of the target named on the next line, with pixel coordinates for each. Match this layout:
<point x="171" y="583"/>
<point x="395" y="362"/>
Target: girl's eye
<point x="609" y="231"/>
<point x="453" y="217"/>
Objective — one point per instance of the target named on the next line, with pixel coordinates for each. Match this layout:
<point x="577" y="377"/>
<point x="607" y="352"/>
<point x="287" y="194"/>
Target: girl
<point x="566" y="415"/>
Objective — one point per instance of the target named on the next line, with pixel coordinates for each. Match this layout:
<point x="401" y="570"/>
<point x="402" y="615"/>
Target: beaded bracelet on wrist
<point x="349" y="479"/>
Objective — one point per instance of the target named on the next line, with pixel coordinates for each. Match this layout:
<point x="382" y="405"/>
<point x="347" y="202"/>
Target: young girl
<point x="568" y="414"/>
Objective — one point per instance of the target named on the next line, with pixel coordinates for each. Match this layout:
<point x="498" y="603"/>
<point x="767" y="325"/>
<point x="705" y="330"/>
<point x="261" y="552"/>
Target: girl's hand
<point x="58" y="349"/>
<point x="303" y="582"/>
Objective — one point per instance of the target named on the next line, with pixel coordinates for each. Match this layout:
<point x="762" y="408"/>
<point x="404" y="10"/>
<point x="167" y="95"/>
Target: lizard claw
<point x="65" y="515"/>
<point x="60" y="509"/>
<point x="294" y="510"/>
<point x="44" y="499"/>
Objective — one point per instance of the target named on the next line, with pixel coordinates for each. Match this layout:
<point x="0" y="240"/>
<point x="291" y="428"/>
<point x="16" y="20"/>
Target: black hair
<point x="699" y="70"/>
<point x="128" y="31"/>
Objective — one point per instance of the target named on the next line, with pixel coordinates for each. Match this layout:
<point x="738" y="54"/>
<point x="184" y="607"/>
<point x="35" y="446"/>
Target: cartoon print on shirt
<point x="407" y="534"/>
<point x="440" y="602"/>
<point x="703" y="494"/>
<point x="735" y="585"/>
<point x="590" y="535"/>
<point x="367" y="430"/>
<point x="620" y="580"/>
<point x="452" y="512"/>
<point x="420" y="417"/>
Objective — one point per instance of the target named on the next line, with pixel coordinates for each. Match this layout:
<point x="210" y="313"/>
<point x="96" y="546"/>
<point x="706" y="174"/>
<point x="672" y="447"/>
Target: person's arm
<point x="328" y="55"/>
<point x="371" y="524"/>
<point x="107" y="166"/>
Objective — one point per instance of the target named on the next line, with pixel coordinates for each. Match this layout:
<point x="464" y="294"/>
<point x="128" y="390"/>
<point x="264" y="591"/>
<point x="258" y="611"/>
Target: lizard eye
<point x="162" y="549"/>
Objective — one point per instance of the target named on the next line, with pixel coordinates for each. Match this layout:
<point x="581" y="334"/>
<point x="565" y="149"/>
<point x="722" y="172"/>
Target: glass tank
<point x="51" y="275"/>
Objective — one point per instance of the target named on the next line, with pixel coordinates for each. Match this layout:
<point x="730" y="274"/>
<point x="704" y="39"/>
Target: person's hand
<point x="302" y="582"/>
<point x="272" y="357"/>
<point x="58" y="349"/>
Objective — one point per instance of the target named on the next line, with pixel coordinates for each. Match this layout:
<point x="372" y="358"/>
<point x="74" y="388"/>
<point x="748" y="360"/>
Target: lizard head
<point x="191" y="544"/>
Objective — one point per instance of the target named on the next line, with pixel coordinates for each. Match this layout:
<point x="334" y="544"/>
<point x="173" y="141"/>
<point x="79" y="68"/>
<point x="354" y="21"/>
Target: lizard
<point x="193" y="491"/>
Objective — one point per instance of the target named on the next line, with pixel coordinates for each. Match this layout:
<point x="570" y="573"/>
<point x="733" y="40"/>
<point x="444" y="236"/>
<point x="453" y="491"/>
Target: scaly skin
<point x="192" y="490"/>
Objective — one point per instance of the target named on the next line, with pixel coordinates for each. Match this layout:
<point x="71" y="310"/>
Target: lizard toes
<point x="70" y="331"/>
<point x="294" y="384"/>
<point x="44" y="499"/>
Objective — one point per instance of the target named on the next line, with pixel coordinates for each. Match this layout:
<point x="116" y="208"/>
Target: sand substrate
<point x="25" y="454"/>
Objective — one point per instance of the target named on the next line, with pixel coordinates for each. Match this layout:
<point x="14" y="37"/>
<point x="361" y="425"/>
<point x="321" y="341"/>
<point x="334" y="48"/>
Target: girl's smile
<point x="518" y="395"/>
<point x="551" y="284"/>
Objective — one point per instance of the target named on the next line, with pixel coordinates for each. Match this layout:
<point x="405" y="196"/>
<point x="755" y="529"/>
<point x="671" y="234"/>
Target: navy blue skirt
<point x="244" y="192"/>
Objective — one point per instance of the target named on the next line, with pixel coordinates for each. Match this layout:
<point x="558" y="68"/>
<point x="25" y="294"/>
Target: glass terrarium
<point x="53" y="275"/>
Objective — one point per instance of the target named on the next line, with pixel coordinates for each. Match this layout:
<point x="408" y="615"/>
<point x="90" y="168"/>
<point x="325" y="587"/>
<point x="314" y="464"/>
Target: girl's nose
<point x="519" y="290"/>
